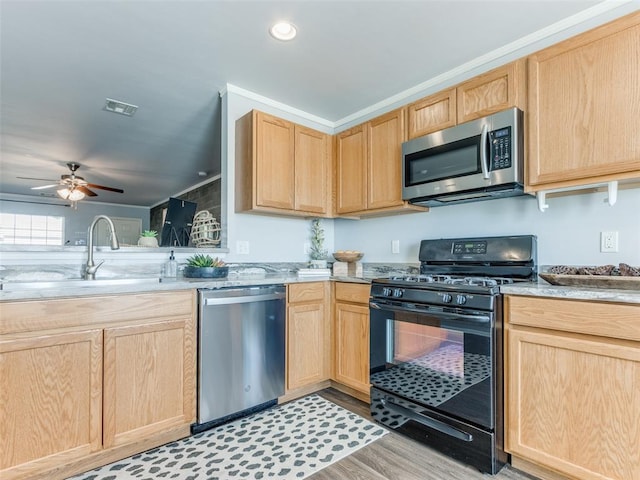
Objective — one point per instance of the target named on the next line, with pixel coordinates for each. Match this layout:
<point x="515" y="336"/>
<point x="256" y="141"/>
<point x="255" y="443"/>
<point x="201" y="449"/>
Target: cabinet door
<point x="351" y="170"/>
<point x="432" y="113"/>
<point x="501" y="88"/>
<point x="148" y="383"/>
<point x="583" y="107"/>
<point x="312" y="154"/>
<point x="307" y="356"/>
<point x="352" y="346"/>
<point x="573" y="403"/>
<point x="385" y="136"/>
<point x="50" y="401"/>
<point x="274" y="162"/>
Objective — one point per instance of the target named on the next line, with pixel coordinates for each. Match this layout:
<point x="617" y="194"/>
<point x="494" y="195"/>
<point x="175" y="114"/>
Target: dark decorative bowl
<point x="206" y="272"/>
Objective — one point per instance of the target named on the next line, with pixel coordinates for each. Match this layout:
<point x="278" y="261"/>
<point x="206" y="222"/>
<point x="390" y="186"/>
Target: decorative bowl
<point x="205" y="272"/>
<point x="348" y="255"/>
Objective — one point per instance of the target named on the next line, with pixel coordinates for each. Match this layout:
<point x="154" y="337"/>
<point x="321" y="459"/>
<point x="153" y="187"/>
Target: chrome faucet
<point x="91" y="268"/>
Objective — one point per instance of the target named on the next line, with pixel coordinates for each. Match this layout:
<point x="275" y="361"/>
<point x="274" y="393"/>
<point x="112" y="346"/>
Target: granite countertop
<point x="544" y="289"/>
<point x="164" y="284"/>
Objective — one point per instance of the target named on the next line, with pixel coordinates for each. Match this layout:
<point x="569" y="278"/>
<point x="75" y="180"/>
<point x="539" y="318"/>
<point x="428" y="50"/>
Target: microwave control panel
<point x="500" y="141"/>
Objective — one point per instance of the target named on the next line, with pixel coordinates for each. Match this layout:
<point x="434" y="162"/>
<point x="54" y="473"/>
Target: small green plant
<point x="317" y="251"/>
<point x="149" y="233"/>
<point x="200" y="260"/>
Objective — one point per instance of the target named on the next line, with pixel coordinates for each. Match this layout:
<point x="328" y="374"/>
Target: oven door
<point x="438" y="359"/>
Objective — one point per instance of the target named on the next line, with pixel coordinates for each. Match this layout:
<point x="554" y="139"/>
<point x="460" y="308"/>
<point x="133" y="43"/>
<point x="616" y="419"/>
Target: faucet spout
<point x="91" y="268"/>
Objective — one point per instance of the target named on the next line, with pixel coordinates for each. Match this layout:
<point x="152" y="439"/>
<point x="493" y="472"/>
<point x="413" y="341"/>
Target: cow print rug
<point x="288" y="441"/>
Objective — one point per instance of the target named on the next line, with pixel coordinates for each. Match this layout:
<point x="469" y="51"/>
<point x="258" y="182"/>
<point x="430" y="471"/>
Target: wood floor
<point x="395" y="457"/>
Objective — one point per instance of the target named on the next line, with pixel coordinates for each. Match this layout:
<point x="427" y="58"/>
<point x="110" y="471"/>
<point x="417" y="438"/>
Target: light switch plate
<point x="395" y="246"/>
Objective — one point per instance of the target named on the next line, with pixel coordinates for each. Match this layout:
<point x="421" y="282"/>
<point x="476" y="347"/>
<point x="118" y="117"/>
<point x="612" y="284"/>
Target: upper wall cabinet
<point x="368" y="167"/>
<point x="501" y="88"/>
<point x="584" y="116"/>
<point x="281" y="168"/>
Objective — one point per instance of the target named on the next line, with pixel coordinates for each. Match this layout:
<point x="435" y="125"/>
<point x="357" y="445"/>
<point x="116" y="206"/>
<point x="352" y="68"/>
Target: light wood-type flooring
<point x="396" y="457"/>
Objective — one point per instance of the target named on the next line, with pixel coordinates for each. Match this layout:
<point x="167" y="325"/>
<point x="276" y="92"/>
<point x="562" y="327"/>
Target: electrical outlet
<point x="608" y="241"/>
<point x="395" y="246"/>
<point x="242" y="247"/>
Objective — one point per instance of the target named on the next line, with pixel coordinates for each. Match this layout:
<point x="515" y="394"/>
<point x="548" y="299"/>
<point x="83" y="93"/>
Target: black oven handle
<point x="427" y="421"/>
<point x="476" y="319"/>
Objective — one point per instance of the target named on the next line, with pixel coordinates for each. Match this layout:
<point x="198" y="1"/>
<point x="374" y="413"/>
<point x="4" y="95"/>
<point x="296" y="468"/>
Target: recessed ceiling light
<point x="116" y="106"/>
<point x="283" y="31"/>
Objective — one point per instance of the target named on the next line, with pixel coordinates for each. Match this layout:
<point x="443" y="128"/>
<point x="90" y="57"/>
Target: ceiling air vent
<point x="116" y="106"/>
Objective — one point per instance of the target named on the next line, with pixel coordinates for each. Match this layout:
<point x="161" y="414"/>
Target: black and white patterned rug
<point x="289" y="441"/>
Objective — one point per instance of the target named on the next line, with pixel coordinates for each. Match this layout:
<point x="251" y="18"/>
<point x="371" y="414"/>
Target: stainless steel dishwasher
<point x="241" y="352"/>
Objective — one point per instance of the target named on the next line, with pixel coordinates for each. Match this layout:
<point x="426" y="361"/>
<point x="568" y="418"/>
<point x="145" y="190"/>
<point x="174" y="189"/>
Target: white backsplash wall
<point x="568" y="232"/>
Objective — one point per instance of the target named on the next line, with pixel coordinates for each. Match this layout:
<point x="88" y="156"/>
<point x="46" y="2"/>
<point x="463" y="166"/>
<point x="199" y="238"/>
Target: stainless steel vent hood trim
<point x="477" y="195"/>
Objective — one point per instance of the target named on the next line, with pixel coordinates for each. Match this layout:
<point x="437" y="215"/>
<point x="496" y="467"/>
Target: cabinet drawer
<point x="353" y="292"/>
<point x="591" y="318"/>
<point x="305" y="292"/>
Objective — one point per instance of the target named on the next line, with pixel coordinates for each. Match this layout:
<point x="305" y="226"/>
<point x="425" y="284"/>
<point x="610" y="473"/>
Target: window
<point x="16" y="229"/>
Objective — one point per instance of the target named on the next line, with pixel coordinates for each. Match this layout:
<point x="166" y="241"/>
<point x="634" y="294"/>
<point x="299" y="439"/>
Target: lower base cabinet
<point x="308" y="334"/>
<point x="86" y="381"/>
<point x="573" y="387"/>
<point x="351" y="336"/>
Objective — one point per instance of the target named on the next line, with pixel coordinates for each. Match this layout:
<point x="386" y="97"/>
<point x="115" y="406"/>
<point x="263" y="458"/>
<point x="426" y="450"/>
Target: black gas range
<point x="436" y="345"/>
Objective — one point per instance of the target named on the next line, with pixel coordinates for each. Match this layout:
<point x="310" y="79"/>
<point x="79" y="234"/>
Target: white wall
<point x="568" y="233"/>
<point x="271" y="238"/>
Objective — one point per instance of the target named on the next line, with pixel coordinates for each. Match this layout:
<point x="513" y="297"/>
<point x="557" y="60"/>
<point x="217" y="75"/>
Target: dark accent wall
<point x="207" y="197"/>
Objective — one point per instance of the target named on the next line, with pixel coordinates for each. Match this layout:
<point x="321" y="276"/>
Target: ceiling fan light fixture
<point x="284" y="31"/>
<point x="116" y="106"/>
<point x="70" y="194"/>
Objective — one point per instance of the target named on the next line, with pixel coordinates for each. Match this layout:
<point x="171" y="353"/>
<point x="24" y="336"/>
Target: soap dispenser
<point x="171" y="267"/>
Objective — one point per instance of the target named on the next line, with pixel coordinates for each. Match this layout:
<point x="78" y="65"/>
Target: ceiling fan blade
<point x="86" y="191"/>
<point x="111" y="189"/>
<point x="41" y="179"/>
<point x="45" y="186"/>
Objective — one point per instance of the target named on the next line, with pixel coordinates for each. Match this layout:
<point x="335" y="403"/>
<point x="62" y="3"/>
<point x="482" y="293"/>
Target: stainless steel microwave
<point x="477" y="160"/>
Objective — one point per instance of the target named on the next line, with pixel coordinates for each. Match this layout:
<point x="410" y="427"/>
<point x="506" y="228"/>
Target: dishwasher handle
<point x="246" y="299"/>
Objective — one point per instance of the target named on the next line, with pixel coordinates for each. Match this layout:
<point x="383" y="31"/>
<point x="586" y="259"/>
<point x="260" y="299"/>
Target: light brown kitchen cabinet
<point x="351" y="336"/>
<point x="308" y="334"/>
<point x="583" y="118"/>
<point x="369" y="169"/>
<point x="498" y="89"/>
<point x="281" y="167"/>
<point x="572" y="383"/>
<point x="144" y="389"/>
<point x="50" y="400"/>
<point x="433" y="113"/>
<point x="351" y="170"/>
<point x="98" y="378"/>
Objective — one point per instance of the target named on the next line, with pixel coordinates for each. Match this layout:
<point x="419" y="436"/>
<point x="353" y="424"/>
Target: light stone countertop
<point x="164" y="285"/>
<point x="543" y="289"/>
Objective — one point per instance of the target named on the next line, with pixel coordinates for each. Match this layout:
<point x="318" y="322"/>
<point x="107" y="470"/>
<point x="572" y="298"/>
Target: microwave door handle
<point x="484" y="146"/>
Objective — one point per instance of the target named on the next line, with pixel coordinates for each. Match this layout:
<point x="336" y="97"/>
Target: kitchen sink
<point x="78" y="283"/>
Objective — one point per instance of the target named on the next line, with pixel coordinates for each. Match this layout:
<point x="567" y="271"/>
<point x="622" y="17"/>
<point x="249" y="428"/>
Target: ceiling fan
<point x="72" y="187"/>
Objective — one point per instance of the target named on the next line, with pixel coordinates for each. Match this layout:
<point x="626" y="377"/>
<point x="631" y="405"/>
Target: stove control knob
<point x="446" y="297"/>
<point x="398" y="292"/>
<point x="386" y="291"/>
<point x="461" y="299"/>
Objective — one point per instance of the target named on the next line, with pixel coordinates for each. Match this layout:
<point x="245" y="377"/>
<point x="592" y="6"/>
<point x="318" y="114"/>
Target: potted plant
<point x="317" y="253"/>
<point x="148" y="239"/>
<point x="204" y="266"/>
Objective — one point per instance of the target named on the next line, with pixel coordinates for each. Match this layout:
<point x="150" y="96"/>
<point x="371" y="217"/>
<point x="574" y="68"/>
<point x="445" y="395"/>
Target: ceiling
<point x="60" y="60"/>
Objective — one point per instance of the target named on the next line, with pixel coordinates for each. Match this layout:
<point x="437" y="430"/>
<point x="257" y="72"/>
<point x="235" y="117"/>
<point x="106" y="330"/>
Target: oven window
<point x="426" y="362"/>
